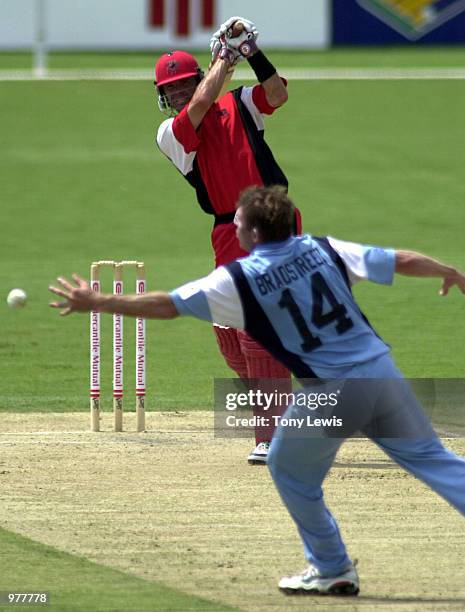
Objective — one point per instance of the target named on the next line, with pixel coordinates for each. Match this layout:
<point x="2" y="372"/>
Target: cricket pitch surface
<point x="179" y="506"/>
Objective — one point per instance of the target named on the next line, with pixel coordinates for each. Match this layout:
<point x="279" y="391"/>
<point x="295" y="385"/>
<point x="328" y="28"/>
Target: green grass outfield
<point x="35" y="568"/>
<point x="370" y="161"/>
<point x="350" y="57"/>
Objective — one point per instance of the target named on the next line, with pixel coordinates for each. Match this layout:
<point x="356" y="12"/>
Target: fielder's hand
<point x="455" y="278"/>
<point x="77" y="299"/>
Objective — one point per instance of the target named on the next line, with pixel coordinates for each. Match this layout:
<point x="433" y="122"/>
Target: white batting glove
<point x="223" y="37"/>
<point x="215" y="46"/>
<point x="237" y="42"/>
<point x="244" y="42"/>
<point x="249" y="26"/>
<point x="218" y="46"/>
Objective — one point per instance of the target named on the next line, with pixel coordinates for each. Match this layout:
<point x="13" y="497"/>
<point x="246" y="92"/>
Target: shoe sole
<point x="256" y="461"/>
<point x="344" y="589"/>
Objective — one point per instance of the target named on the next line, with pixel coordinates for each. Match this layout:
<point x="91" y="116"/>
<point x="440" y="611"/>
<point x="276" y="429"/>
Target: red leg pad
<point x="231" y="350"/>
<point x="260" y="364"/>
<point x="274" y="377"/>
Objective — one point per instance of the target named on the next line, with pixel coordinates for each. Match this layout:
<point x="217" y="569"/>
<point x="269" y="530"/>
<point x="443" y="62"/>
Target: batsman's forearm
<point x="209" y="88"/>
<point x="227" y="80"/>
<point x="275" y="90"/>
<point x="207" y="92"/>
<point x="410" y="263"/>
<point x="274" y="86"/>
<point x="153" y="305"/>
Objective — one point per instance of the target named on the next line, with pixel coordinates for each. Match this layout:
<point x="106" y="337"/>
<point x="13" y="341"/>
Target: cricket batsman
<point x="217" y="144"/>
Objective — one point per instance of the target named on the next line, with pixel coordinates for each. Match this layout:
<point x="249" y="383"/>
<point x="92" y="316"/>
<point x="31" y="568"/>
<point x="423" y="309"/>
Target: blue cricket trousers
<point x="299" y="462"/>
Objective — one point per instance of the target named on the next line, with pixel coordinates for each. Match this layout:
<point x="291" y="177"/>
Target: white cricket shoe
<point x="310" y="581"/>
<point x="259" y="454"/>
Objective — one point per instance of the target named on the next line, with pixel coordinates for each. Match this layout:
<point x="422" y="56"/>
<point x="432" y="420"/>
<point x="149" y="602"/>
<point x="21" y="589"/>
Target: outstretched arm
<point x="410" y="263"/>
<point x="80" y="298"/>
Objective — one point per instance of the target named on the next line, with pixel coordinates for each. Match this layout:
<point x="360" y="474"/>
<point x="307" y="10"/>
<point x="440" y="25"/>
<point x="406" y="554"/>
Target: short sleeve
<point x="184" y="131"/>
<point x="212" y="298"/>
<point x="173" y="149"/>
<point x="247" y="98"/>
<point x="260" y="101"/>
<point x="365" y="262"/>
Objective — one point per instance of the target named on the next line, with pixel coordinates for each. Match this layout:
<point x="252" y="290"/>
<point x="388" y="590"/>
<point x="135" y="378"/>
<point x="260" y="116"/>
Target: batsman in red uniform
<point x="217" y="143"/>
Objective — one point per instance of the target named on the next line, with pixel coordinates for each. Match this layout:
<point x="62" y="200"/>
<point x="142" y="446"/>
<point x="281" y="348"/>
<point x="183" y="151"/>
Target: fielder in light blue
<point x="293" y="295"/>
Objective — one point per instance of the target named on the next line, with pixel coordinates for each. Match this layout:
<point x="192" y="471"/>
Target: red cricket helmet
<point x="172" y="67"/>
<point x="175" y="66"/>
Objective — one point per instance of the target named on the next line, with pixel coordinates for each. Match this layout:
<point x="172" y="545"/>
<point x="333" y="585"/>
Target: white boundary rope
<point x="299" y="74"/>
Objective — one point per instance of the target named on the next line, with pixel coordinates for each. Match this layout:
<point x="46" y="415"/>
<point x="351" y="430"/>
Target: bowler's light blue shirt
<point x="295" y="298"/>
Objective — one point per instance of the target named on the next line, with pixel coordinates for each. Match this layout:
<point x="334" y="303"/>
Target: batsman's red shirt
<point x="224" y="156"/>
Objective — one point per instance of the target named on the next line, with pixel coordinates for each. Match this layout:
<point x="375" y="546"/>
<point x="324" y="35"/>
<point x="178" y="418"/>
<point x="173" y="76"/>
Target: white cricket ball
<point x="16" y="298"/>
